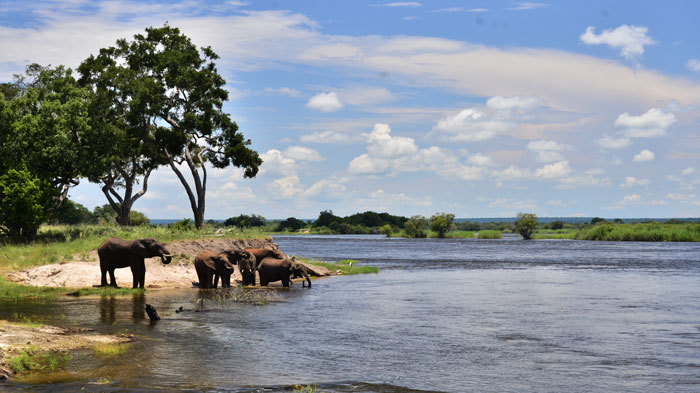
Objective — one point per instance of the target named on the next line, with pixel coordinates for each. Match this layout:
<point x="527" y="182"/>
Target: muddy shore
<point x="85" y="272"/>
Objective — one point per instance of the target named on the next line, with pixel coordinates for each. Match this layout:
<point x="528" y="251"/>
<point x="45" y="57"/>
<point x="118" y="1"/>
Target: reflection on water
<point x="443" y="315"/>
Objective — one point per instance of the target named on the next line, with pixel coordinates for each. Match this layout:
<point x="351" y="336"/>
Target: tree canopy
<point x="525" y="225"/>
<point x="441" y="223"/>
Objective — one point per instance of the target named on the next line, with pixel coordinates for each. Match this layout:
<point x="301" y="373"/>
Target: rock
<point x="316" y="271"/>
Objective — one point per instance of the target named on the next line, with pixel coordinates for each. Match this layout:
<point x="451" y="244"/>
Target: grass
<point x="29" y="360"/>
<point x="111" y="350"/>
<point x="346" y="266"/>
<point x="488" y="234"/>
<point x="554" y="235"/>
<point x="305" y="388"/>
<point x="641" y="232"/>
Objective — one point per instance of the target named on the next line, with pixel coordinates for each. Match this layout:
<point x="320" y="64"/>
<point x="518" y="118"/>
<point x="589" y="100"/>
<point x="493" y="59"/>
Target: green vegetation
<point x="111" y="350"/>
<point x="415" y="227"/>
<point x="386" y="230"/>
<point x="526" y="224"/>
<point x="30" y="360"/>
<point x="650" y="231"/>
<point x="346" y="266"/>
<point x="441" y="223"/>
<point x="487" y="234"/>
<point x="305" y="388"/>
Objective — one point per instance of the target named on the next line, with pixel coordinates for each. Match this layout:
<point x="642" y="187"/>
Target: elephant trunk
<point x="166" y="258"/>
<point x="306" y="276"/>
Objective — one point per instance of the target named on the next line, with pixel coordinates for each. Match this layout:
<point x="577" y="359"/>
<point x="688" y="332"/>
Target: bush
<point x="441" y="223"/>
<point x="73" y="213"/>
<point x="386" y="230"/>
<point x="138" y="219"/>
<point x="291" y="224"/>
<point x="25" y="202"/>
<point x="415" y="227"/>
<point x="525" y="225"/>
<point x="486" y="234"/>
<point x="246" y="221"/>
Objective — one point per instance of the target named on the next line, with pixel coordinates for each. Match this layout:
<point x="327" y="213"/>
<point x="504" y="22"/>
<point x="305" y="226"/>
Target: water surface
<point x="442" y="315"/>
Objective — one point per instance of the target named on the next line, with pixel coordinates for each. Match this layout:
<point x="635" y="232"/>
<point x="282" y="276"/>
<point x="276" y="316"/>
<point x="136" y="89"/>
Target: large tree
<point x="177" y="87"/>
<point x="44" y="126"/>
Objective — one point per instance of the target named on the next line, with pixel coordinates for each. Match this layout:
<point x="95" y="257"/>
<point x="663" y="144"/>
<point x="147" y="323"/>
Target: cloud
<point x="608" y="142"/>
<point x="388" y="154"/>
<point x="548" y="151"/>
<point x="300" y="153"/>
<point x="410" y="4"/>
<point x="326" y="188"/>
<point x="631" y="181"/>
<point x="551" y="171"/>
<point x="526" y="6"/>
<point x="644" y="155"/>
<point x="288" y="187"/>
<point x="365" y="95"/>
<point x="481" y="160"/>
<point x="680" y="197"/>
<point x="275" y="161"/>
<point x="461" y="9"/>
<point x="652" y="123"/>
<point x="688" y="171"/>
<point x="512" y="173"/>
<point x="325" y="102"/>
<point x="630" y="39"/>
<point x="627" y="200"/>
<point x="327" y="137"/>
<point x="693" y="65"/>
<point x="284" y="91"/>
<point x="499" y="115"/>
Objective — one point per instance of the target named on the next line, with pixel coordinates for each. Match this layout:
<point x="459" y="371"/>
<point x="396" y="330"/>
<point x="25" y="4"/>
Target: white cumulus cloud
<point x="631" y="181"/>
<point x="301" y="153"/>
<point x="652" y="123"/>
<point x="629" y="39"/>
<point x="548" y="151"/>
<point x="644" y="155"/>
<point x="551" y="171"/>
<point x="609" y="142"/>
<point x="688" y="171"/>
<point x="693" y="65"/>
<point x="325" y="102"/>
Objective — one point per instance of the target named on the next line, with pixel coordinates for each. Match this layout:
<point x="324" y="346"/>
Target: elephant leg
<point x="103" y="281"/>
<point x="112" y="279"/>
<point x="216" y="281"/>
<point x="285" y="282"/>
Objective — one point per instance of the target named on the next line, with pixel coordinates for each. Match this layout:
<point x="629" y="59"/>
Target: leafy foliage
<point x="441" y="223"/>
<point x="415" y="226"/>
<point x="24" y="203"/>
<point x="245" y="221"/>
<point x="291" y="224"/>
<point x="525" y="225"/>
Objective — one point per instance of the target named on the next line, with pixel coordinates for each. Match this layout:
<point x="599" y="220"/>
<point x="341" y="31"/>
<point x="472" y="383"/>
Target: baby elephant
<point x="209" y="263"/>
<point x="273" y="269"/>
<point x="260" y="254"/>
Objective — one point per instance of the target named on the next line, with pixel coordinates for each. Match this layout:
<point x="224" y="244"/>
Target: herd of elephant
<point x="270" y="265"/>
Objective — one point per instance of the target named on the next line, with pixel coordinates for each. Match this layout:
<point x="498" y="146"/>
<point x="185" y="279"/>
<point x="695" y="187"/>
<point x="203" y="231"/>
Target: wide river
<point x="442" y="315"/>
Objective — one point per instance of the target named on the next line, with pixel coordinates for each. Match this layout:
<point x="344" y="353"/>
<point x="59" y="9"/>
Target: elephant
<point x="209" y="265"/>
<point x="116" y="253"/>
<point x="260" y="254"/>
<point x="300" y="271"/>
<point x="246" y="265"/>
<point x="273" y="269"/>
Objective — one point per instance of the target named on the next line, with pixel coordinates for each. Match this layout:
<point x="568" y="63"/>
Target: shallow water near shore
<point x="442" y="315"/>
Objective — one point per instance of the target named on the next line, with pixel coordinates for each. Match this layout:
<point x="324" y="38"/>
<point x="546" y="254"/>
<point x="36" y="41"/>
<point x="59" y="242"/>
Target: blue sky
<point x="477" y="108"/>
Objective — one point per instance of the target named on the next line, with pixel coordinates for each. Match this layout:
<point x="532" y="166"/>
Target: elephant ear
<point x="139" y="248"/>
<point x="211" y="263"/>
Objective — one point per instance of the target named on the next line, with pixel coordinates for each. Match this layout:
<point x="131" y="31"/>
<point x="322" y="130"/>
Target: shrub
<point x="386" y="230"/>
<point x="441" y="223"/>
<point x="25" y="202"/>
<point x="525" y="225"/>
<point x="415" y="226"/>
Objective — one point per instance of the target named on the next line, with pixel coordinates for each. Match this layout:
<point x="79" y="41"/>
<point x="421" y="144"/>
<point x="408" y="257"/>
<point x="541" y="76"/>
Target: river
<point x="442" y="315"/>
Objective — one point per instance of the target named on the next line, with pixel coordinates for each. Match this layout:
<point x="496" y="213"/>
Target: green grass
<point x="650" y="232"/>
<point x="553" y="235"/>
<point x="488" y="234"/>
<point x="29" y="360"/>
<point x="111" y="350"/>
<point x="343" y="266"/>
<point x="305" y="388"/>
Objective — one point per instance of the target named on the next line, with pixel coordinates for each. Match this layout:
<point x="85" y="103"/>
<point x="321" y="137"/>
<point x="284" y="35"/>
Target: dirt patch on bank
<point x="15" y="337"/>
<point x="180" y="273"/>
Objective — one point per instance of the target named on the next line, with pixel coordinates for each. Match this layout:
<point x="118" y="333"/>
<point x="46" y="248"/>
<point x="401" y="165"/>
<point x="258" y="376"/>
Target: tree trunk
<point x="200" y="183"/>
<point x="122" y="205"/>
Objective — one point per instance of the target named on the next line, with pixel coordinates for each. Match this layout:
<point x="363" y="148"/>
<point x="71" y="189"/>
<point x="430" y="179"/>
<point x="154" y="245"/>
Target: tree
<point x="415" y="226"/>
<point x="596" y="220"/>
<point x="290" y="224"/>
<point x="525" y="225"/>
<point x="73" y="213"/>
<point x="44" y="124"/>
<point x="441" y="223"/>
<point x="174" y="91"/>
<point x="326" y="219"/>
<point x="246" y="221"/>
<point x="24" y="203"/>
<point x="557" y="224"/>
<point x="386" y="230"/>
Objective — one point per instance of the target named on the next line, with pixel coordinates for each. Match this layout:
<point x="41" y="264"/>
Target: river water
<point x="442" y="315"/>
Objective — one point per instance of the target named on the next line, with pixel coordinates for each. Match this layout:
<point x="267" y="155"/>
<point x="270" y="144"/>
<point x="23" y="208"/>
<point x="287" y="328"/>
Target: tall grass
<point x="487" y="234"/>
<point x="641" y="232"/>
<point x="345" y="267"/>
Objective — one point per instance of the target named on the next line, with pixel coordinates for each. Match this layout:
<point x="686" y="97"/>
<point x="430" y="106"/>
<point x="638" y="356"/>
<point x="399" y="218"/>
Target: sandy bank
<point x="85" y="272"/>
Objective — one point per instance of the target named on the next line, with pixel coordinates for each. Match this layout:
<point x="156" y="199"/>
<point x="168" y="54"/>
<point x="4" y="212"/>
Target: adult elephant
<point x="117" y="253"/>
<point x="209" y="264"/>
<point x="273" y="269"/>
<point x="260" y="254"/>
<point x="246" y="265"/>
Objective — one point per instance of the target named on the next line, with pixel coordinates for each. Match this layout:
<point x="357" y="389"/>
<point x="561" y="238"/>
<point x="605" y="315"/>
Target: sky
<point x="475" y="108"/>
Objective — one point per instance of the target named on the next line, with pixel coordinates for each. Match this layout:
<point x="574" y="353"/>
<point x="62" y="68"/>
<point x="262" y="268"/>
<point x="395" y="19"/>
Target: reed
<point x="489" y="234"/>
<point x="641" y="232"/>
